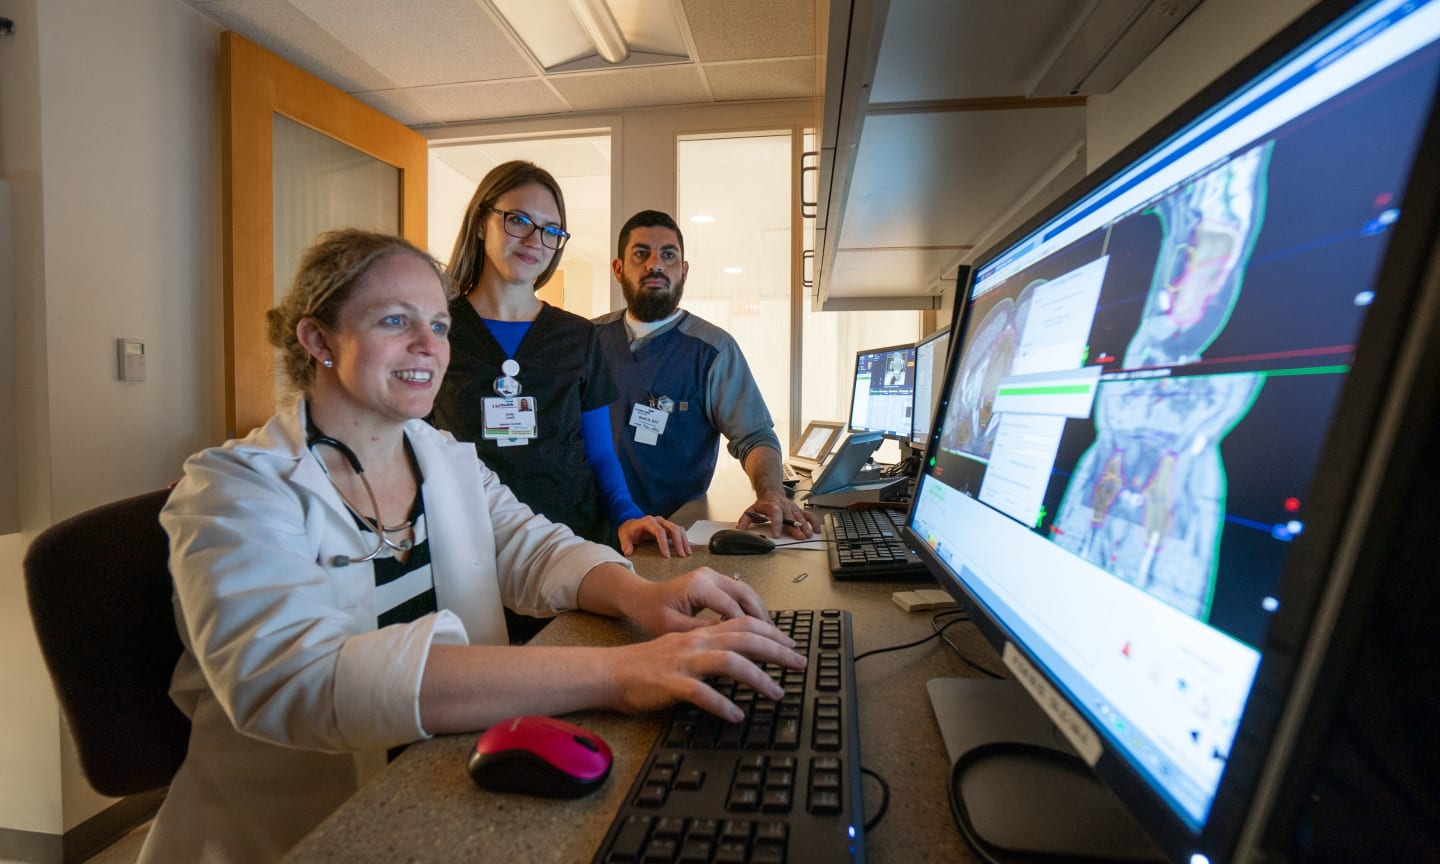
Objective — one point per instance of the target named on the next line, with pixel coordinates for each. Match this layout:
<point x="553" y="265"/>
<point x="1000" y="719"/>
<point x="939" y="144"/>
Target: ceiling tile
<point x="482" y="100"/>
<point x="417" y="44"/>
<point x="762" y="79"/>
<point x="399" y="105"/>
<point x="746" y="29"/>
<point x="633" y="88"/>
<point x="276" y="26"/>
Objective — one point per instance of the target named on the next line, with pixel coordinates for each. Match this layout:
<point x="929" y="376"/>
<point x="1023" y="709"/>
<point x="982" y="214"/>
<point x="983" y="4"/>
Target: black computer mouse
<point x="733" y="541"/>
<point x="539" y="756"/>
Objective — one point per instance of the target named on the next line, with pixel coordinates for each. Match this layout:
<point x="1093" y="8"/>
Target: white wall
<point x="449" y="194"/>
<point x="117" y="229"/>
<point x="1211" y="40"/>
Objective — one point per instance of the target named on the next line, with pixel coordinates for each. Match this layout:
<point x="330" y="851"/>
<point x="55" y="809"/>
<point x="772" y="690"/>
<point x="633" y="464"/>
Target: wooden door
<point x="267" y="100"/>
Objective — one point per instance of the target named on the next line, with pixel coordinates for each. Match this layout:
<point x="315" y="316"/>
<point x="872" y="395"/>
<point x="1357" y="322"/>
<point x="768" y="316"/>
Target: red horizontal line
<point x="1274" y="355"/>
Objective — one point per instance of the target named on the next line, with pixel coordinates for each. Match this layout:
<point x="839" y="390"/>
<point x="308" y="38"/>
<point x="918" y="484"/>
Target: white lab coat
<point x="293" y="694"/>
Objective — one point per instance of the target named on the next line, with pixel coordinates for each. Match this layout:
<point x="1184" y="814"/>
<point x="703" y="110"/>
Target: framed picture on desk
<point x="814" y="444"/>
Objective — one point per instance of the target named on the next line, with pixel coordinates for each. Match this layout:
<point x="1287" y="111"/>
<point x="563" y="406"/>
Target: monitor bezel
<point x="1303" y="627"/>
<point x="854" y="380"/>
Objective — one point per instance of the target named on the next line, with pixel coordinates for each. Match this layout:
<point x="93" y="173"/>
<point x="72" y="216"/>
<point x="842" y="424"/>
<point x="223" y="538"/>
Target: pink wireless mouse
<point x="539" y="756"/>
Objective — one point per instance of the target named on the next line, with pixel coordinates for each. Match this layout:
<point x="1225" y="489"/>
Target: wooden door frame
<point x="255" y="85"/>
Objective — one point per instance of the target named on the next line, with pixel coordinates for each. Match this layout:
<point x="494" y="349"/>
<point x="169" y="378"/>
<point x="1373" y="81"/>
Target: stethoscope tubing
<point x="373" y="524"/>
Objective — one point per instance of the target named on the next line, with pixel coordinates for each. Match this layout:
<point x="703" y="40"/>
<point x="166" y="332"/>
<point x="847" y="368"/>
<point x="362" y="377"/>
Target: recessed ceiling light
<point x="702" y="217"/>
<point x="733" y="270"/>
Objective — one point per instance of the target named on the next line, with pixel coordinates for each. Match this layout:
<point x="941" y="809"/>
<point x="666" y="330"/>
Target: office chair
<point x="99" y="588"/>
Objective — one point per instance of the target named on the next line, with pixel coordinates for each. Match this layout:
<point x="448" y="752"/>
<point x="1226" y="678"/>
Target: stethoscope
<point x="381" y="542"/>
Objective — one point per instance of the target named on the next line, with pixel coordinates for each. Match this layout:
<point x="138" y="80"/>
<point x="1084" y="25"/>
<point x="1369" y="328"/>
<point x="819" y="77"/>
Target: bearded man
<point x="683" y="382"/>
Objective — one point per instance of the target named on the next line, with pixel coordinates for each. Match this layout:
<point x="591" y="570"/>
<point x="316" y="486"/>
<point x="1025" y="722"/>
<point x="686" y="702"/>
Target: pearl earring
<point x="328" y="363"/>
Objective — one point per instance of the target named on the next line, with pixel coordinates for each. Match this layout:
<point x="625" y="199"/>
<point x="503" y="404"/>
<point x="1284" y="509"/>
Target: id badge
<point x="510" y="421"/>
<point x="649" y="423"/>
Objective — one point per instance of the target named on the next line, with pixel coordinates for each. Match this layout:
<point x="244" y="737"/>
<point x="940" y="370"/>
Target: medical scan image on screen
<point x="884" y="391"/>
<point x="1140" y="395"/>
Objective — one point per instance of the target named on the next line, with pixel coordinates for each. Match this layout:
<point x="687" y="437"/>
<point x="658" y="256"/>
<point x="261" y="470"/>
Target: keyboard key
<point x="734" y="831"/>
<point x="630" y="841"/>
<point x="731" y="853"/>
<point x="696" y="852"/>
<point x="824" y="802"/>
<point x="669" y="828"/>
<point x="659" y="852"/>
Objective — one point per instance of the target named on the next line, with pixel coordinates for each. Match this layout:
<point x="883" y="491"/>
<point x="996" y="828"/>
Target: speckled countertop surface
<point x="424" y="808"/>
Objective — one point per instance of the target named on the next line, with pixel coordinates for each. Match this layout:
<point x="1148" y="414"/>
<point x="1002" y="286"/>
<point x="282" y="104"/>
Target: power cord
<point x="961" y="814"/>
<point x="939" y="629"/>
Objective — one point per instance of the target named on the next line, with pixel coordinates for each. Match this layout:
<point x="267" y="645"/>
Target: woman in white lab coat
<point x="340" y="575"/>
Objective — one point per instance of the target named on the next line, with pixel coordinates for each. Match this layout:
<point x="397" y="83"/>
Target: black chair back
<point x="99" y="588"/>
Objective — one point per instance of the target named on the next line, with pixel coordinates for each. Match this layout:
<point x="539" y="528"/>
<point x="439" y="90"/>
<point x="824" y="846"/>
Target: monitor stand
<point x="1017" y="802"/>
<point x="879" y="491"/>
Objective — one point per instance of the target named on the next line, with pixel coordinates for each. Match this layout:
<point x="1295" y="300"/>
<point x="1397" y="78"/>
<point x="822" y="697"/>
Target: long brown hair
<point x="468" y="257"/>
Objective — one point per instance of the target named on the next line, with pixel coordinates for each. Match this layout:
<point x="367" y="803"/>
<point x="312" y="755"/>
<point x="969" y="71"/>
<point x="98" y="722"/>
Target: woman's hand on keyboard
<point x="651" y="675"/>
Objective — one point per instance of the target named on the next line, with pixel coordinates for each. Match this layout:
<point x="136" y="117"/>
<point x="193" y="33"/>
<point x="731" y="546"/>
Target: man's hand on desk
<point x="651" y="675"/>
<point x="779" y="511"/>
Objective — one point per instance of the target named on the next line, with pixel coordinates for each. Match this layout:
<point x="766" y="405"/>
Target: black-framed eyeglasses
<point x="520" y="226"/>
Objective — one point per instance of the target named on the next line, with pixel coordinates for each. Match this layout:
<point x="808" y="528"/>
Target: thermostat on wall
<point x="131" y="356"/>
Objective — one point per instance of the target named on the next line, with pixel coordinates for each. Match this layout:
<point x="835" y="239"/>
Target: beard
<point x="650" y="302"/>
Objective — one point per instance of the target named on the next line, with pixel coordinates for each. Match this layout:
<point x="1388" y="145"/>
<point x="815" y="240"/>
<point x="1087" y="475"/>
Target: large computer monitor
<point x="1175" y="401"/>
<point x="883" y="392"/>
<point x="930" y="354"/>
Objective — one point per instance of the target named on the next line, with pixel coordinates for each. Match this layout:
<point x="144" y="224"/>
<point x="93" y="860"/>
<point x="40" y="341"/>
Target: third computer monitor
<point x="883" y="394"/>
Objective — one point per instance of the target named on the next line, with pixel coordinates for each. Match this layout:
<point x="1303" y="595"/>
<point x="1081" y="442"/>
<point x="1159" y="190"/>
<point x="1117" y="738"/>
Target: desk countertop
<point x="424" y="807"/>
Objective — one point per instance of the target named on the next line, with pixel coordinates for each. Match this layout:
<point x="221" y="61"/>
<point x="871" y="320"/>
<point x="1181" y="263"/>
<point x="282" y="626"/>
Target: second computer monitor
<point x="930" y="354"/>
<point x="883" y="396"/>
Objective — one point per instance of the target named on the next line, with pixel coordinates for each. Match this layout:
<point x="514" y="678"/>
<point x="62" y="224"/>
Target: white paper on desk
<point x="703" y="529"/>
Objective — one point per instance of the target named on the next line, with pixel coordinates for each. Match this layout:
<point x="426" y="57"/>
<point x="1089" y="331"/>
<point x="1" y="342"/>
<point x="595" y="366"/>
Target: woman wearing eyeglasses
<point x="528" y="383"/>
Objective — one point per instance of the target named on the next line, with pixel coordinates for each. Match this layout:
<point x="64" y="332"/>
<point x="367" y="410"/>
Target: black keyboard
<point x="870" y="543"/>
<point x="780" y="787"/>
